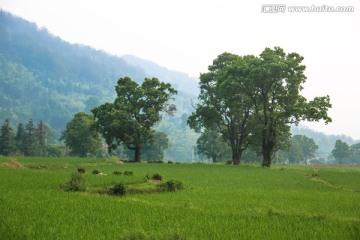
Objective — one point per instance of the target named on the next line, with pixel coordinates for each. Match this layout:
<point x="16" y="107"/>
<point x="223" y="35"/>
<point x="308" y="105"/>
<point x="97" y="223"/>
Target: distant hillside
<point x="325" y="142"/>
<point x="45" y="78"/>
<point x="180" y="80"/>
<point x="40" y="73"/>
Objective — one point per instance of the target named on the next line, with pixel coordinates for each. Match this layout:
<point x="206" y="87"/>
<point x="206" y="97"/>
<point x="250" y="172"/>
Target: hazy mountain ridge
<point x="180" y="80"/>
<point x="325" y="142"/>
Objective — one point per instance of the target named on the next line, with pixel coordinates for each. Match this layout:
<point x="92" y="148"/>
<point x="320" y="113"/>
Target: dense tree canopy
<point x="302" y="149"/>
<point x="80" y="137"/>
<point x="263" y="92"/>
<point x="223" y="106"/>
<point x="136" y="109"/>
<point x="7" y="139"/>
<point x="211" y="144"/>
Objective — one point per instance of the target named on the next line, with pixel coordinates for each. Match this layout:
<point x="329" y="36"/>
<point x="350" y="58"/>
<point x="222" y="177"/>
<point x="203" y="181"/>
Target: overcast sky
<point x="186" y="35"/>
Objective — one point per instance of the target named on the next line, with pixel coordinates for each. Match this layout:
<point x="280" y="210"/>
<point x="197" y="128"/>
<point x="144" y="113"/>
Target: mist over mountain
<point x="179" y="80"/>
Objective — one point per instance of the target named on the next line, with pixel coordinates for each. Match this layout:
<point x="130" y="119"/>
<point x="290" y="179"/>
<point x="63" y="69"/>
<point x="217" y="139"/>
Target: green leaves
<point x="256" y="96"/>
<point x="80" y="137"/>
<point x="134" y="112"/>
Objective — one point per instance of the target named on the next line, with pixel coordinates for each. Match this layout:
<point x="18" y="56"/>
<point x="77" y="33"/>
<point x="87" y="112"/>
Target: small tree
<point x="41" y="135"/>
<point x="80" y="137"/>
<point x="302" y="149"/>
<point x="20" y="138"/>
<point x="355" y="153"/>
<point x="130" y="118"/>
<point x="7" y="139"/>
<point x="211" y="145"/>
<point x="30" y="143"/>
<point x="341" y="152"/>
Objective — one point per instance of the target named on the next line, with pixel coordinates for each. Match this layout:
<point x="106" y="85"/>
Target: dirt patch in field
<point x="12" y="163"/>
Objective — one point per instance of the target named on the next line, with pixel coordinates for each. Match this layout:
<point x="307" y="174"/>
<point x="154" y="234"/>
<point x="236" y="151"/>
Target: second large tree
<point x="130" y="118"/>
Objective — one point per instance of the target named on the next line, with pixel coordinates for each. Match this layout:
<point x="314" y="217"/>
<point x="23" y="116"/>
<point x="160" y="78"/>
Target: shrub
<point x="170" y="162"/>
<point x="172" y="185"/>
<point x="81" y="170"/>
<point x="76" y="183"/>
<point x="117" y="173"/>
<point x="315" y="173"/>
<point x="119" y="189"/>
<point x="128" y="173"/>
<point x="95" y="171"/>
<point x="156" y="176"/>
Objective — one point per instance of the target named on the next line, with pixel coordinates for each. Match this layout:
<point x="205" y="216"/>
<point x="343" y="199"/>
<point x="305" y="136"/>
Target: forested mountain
<point x="45" y="78"/>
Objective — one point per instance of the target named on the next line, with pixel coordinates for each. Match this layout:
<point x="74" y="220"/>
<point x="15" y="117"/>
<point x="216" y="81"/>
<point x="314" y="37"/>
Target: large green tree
<point x="136" y="109"/>
<point x="273" y="81"/>
<point x="223" y="105"/>
<point x="7" y="139"/>
<point x="80" y="137"/>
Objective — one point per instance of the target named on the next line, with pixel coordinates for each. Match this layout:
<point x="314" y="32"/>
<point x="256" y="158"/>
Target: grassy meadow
<point x="218" y="201"/>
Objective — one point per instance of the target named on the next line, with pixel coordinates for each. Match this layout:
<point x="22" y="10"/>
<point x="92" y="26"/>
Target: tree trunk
<point x="137" y="156"/>
<point x="236" y="156"/>
<point x="267" y="150"/>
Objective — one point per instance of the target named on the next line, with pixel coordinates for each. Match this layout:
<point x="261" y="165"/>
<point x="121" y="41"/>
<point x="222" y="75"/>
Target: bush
<point x="95" y="171"/>
<point x="315" y="173"/>
<point x="117" y="173"/>
<point x="170" y="162"/>
<point x="81" y="170"/>
<point x="76" y="183"/>
<point x="119" y="189"/>
<point x="128" y="173"/>
<point x="156" y="176"/>
<point x="172" y="185"/>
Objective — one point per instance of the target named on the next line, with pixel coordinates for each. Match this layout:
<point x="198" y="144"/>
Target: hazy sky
<point x="186" y="36"/>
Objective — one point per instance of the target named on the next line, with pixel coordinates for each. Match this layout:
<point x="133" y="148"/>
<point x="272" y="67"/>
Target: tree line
<point x="247" y="101"/>
<point x="30" y="139"/>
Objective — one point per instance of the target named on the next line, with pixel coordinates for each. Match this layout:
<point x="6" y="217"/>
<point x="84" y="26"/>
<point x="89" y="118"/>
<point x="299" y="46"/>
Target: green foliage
<point x="95" y="171"/>
<point x="7" y="139"/>
<point x="223" y="105"/>
<point x="130" y="118"/>
<point x="117" y="172"/>
<point x="80" y="137"/>
<point x="341" y="152"/>
<point x="212" y="145"/>
<point x="156" y="176"/>
<point x="301" y="149"/>
<point x="76" y="183"/>
<point x="262" y="94"/>
<point x="129" y="173"/>
<point x="119" y="189"/>
<point x="172" y="185"/>
<point x="81" y="170"/>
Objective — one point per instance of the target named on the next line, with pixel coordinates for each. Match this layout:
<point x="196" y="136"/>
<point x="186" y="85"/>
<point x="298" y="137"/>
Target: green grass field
<point x="218" y="202"/>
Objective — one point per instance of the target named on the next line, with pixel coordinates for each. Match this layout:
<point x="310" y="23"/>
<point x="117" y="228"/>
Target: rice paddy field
<point x="217" y="202"/>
